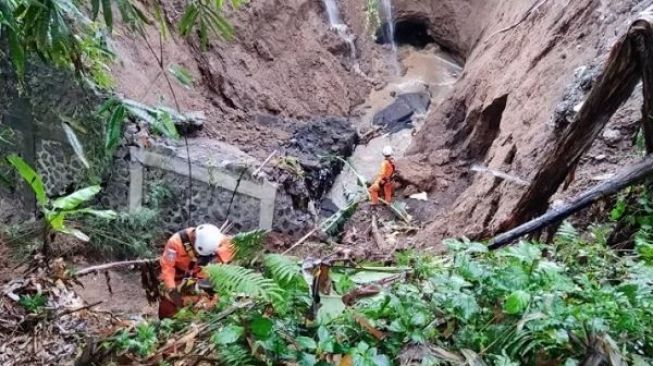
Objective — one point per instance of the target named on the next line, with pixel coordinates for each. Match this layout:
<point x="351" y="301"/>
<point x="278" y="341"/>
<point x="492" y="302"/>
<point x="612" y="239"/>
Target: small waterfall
<point x="339" y="26"/>
<point x="390" y="33"/>
<point x="332" y="12"/>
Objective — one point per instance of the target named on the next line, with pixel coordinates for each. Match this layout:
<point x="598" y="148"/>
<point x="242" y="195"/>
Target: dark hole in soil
<point x="412" y="32"/>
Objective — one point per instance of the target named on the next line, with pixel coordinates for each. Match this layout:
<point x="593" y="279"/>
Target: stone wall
<point x="35" y="114"/>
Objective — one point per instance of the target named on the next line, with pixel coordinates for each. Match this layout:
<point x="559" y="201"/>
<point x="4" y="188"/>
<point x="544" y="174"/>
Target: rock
<point x="611" y="136"/>
<point x="410" y="171"/>
<point x="315" y="144"/>
<point x="399" y="114"/>
<point x="440" y="157"/>
<point x="418" y="102"/>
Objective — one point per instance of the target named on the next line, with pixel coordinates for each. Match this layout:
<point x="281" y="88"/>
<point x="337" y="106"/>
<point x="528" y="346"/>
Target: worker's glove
<point x="175" y="297"/>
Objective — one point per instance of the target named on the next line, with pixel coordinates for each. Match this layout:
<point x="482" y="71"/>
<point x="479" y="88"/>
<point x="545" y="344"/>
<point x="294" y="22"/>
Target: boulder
<point x="412" y="171"/>
<point x="399" y="114"/>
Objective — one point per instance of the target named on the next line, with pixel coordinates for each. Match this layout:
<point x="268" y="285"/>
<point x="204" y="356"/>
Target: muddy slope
<point x="530" y="66"/>
<point x="283" y="61"/>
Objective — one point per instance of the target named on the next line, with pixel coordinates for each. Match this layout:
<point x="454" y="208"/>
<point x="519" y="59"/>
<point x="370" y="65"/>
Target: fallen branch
<point x="629" y="59"/>
<point x="300" y="241"/>
<point x="71" y="311"/>
<point x="376" y="234"/>
<point x="627" y="177"/>
<point x="112" y="265"/>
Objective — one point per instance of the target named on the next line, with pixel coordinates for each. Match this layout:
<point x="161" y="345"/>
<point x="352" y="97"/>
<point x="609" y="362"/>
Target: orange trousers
<point x="376" y="188"/>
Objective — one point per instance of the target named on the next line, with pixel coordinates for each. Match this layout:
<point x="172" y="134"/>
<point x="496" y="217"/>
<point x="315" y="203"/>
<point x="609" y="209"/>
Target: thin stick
<point x="71" y="311"/>
<point x="300" y="241"/>
<point x="106" y="266"/>
<point x="265" y="162"/>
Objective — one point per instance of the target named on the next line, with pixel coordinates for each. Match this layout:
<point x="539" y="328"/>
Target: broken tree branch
<point x="622" y="72"/>
<point x="112" y="265"/>
<point x="300" y="241"/>
<point x="627" y="177"/>
<point x="376" y="234"/>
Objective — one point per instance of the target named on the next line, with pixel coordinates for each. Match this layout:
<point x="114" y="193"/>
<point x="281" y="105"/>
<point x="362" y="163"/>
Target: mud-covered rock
<point x="413" y="172"/>
<point x="400" y="113"/>
<point x="316" y="146"/>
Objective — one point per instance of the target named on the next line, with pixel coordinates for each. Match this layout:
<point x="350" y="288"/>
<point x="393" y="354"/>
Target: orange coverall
<point x="177" y="264"/>
<point x="383" y="181"/>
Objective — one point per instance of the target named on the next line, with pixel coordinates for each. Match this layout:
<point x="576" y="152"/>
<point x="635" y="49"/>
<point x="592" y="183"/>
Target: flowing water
<point x="339" y="26"/>
<point x="429" y="69"/>
<point x="390" y="33"/>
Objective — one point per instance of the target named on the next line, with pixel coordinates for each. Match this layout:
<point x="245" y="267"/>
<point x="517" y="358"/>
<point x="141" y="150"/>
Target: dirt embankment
<point x="528" y="66"/>
<point x="283" y="61"/>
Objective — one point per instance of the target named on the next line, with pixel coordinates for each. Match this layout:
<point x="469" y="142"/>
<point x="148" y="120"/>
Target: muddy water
<point x="428" y="69"/>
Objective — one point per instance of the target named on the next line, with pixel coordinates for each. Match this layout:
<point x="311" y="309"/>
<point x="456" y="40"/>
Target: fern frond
<point x="232" y="279"/>
<point x="248" y="244"/>
<point x="285" y="270"/>
<point x="235" y="355"/>
<point x="567" y="233"/>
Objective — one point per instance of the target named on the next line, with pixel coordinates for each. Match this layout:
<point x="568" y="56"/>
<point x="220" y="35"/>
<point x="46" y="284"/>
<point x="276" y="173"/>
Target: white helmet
<point x="207" y="239"/>
<point x="387" y="150"/>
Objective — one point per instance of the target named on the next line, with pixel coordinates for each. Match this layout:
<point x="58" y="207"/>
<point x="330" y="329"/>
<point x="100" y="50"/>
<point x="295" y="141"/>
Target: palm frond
<point x="230" y="279"/>
<point x="335" y="222"/>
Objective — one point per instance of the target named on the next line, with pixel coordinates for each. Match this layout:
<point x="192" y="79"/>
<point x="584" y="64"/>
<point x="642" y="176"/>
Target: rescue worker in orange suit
<point x="185" y="253"/>
<point x="384" y="181"/>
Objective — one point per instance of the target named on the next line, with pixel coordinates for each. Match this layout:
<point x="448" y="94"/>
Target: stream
<point x="428" y="70"/>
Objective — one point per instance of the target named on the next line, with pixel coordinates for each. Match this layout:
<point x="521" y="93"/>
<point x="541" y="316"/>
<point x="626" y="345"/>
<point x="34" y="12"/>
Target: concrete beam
<point x="265" y="192"/>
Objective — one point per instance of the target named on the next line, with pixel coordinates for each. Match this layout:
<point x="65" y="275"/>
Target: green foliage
<point x="291" y="164"/>
<point x="129" y="235"/>
<point x="285" y="270"/>
<point x="182" y="75"/>
<point x="30" y="177"/>
<point x="372" y="19"/>
<point x="204" y="17"/>
<point x="143" y="342"/>
<point x="56" y="211"/>
<point x="59" y="31"/>
<point x="513" y="306"/>
<point x="115" y="112"/>
<point x="248" y="244"/>
<point x="230" y="280"/>
<point x="33" y="303"/>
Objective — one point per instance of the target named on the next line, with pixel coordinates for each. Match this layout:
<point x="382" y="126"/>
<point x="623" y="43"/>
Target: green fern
<point x="230" y="279"/>
<point x="285" y="270"/>
<point x="235" y="355"/>
<point x="567" y="233"/>
<point x="248" y="244"/>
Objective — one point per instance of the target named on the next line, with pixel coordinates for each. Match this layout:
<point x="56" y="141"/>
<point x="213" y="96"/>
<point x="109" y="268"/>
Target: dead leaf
<point x="365" y="324"/>
<point x="346" y="361"/>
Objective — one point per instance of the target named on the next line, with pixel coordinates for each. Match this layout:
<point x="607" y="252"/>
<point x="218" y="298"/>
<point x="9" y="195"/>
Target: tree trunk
<point x="625" y="178"/>
<point x="629" y="61"/>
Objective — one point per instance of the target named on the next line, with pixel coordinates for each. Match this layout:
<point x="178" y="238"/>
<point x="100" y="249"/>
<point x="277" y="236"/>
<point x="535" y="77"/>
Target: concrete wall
<point x="216" y="169"/>
<point x="35" y="114"/>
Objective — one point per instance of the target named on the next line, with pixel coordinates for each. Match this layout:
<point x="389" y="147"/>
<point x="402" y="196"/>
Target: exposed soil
<point x="527" y="67"/>
<point x="284" y="61"/>
<point x="503" y="111"/>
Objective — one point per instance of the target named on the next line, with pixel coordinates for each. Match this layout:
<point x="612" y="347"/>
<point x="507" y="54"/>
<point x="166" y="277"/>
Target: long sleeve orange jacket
<point x="386" y="172"/>
<point x="176" y="263"/>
